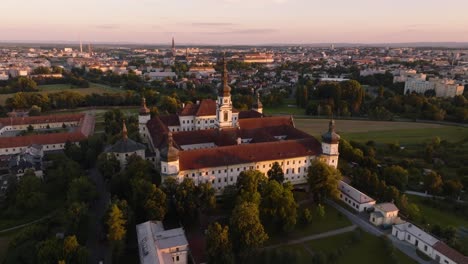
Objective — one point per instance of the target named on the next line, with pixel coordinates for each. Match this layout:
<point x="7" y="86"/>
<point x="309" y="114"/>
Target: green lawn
<point x="332" y="220"/>
<point x="283" y="110"/>
<point x="369" y="249"/>
<point x="438" y="216"/>
<point x="53" y="88"/>
<point x="384" y="131"/>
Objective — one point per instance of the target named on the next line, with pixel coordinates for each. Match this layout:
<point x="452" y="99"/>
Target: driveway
<point x="98" y="248"/>
<point x="369" y="228"/>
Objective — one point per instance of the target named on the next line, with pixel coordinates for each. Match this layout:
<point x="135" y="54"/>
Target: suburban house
<point x="428" y="244"/>
<point x="353" y="197"/>
<point x="384" y="214"/>
<point x="156" y="245"/>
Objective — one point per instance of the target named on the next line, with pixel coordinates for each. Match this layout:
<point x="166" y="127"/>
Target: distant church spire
<point x="144" y="109"/>
<point x="226" y="90"/>
<point x="124" y="131"/>
<point x="173" y="47"/>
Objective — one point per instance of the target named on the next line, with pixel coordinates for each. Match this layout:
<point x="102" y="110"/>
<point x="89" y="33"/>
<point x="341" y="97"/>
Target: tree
<point x="276" y="173"/>
<point x="186" y="199"/>
<point x="246" y="229"/>
<point x="206" y="195"/>
<point x="321" y="210"/>
<point x="306" y="217"/>
<point x="148" y="201"/>
<point x="116" y="224"/>
<point x="50" y="251"/>
<point x="433" y="182"/>
<point x="81" y="190"/>
<point x="30" y="194"/>
<point x="168" y="104"/>
<point x="278" y="206"/>
<point x="396" y="176"/>
<point x="108" y="165"/>
<point x="323" y="181"/>
<point x="218" y="245"/>
<point x="452" y="188"/>
<point x="248" y="184"/>
<point x="70" y="245"/>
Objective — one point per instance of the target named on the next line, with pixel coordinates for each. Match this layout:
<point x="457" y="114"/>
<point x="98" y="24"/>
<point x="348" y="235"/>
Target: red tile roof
<point x="9" y="121"/>
<point x="249" y="114"/>
<point x="170" y="120"/>
<point x="207" y="108"/>
<point x="451" y="253"/>
<point x="252" y="123"/>
<point x="245" y="153"/>
<point x="85" y="128"/>
<point x="43" y="139"/>
<point x="189" y="110"/>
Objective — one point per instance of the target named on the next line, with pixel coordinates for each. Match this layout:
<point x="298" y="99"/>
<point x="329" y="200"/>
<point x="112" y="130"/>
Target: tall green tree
<point x="218" y="245"/>
<point x="278" y="206"/>
<point x="248" y="184"/>
<point x="149" y="202"/>
<point x="433" y="182"/>
<point x="323" y="181"/>
<point x="276" y="173"/>
<point x="247" y="231"/>
<point x="397" y="176"/>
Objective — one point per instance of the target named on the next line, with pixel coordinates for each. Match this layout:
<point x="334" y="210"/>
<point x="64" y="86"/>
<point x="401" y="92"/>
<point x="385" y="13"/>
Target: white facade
<point x="330" y="154"/>
<point x="442" y="87"/>
<point x="356" y="199"/>
<point x="384" y="214"/>
<point x="159" y="246"/>
<point x="428" y="244"/>
<point x="295" y="172"/>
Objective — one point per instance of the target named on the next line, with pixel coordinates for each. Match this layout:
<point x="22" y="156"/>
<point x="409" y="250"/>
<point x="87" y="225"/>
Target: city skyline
<point x="236" y="21"/>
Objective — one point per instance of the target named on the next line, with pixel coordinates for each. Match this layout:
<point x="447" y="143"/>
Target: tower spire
<point x="226" y="90"/>
<point x="144" y="109"/>
<point x="124" y="130"/>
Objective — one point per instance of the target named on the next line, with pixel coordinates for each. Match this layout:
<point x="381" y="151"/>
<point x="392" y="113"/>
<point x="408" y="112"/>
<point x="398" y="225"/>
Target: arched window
<point x="225" y="116"/>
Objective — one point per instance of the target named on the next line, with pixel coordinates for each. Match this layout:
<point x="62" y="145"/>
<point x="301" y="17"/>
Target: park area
<point x="384" y="131"/>
<point x="54" y="88"/>
<point x="351" y="247"/>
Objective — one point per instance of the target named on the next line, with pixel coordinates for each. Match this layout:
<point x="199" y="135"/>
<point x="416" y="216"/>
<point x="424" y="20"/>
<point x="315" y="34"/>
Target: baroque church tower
<point x="224" y="116"/>
<point x="143" y="118"/>
<point x="330" y="141"/>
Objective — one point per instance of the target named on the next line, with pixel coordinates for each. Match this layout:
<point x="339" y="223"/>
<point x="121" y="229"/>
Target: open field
<point x="438" y="216"/>
<point x="331" y="221"/>
<point x="53" y="88"/>
<point x="368" y="250"/>
<point x="384" y="131"/>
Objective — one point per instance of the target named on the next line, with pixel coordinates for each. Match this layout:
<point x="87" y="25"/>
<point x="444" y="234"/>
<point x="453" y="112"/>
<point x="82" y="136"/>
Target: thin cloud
<point x="107" y="26"/>
<point x="258" y="31"/>
<point x="212" y="24"/>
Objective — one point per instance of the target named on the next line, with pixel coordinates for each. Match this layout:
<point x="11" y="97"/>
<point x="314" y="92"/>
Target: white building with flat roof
<point x="358" y="200"/>
<point x="159" y="246"/>
<point x="428" y="244"/>
<point x="384" y="214"/>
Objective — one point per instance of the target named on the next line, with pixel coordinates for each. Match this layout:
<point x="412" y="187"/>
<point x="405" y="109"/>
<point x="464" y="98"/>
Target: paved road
<point x="98" y="249"/>
<point x="368" y="227"/>
<point x="317" y="236"/>
<point x="426" y="195"/>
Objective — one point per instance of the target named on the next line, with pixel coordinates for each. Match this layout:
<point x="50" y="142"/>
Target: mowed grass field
<point x="384" y="132"/>
<point x="53" y="88"/>
<point x="369" y="249"/>
<point x="437" y="216"/>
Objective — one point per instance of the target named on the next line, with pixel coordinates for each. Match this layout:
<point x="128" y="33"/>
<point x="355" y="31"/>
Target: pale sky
<point x="235" y="21"/>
